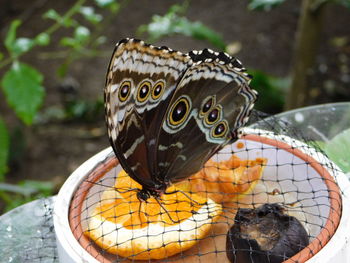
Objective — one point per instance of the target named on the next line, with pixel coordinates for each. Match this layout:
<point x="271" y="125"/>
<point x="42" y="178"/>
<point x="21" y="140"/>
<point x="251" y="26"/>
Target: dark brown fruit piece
<point x="264" y="234"/>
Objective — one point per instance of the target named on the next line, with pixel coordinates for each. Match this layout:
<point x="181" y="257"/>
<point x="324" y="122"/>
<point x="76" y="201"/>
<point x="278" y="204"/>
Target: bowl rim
<point x="278" y="141"/>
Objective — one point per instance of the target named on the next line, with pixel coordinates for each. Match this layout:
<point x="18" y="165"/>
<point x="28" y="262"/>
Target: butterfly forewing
<point x="140" y="81"/>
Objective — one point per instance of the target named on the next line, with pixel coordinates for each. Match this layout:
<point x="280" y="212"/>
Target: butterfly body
<point x="167" y="112"/>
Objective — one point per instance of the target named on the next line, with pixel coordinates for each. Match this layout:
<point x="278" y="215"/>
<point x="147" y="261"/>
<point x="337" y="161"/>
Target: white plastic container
<point x="324" y="215"/>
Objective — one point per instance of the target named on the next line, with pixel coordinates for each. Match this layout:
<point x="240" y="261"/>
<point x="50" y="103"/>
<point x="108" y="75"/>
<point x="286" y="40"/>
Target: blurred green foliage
<point x="22" y="84"/>
<point x="267" y="5"/>
<point x="4" y="149"/>
<point x="272" y="91"/>
<point x="175" y="22"/>
<point x="76" y="110"/>
<point x="25" y="191"/>
<point x="338" y="150"/>
<point x="345" y="3"/>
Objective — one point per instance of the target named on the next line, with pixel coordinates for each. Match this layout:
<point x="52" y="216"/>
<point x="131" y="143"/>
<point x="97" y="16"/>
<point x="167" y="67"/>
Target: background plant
<point x="306" y="44"/>
<point x="22" y="84"/>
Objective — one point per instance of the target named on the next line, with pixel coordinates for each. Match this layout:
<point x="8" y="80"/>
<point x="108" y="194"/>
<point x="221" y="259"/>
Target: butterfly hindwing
<point x="217" y="101"/>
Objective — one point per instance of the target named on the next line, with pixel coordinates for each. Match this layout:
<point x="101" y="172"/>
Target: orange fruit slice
<point x="154" y="229"/>
<point x="227" y="180"/>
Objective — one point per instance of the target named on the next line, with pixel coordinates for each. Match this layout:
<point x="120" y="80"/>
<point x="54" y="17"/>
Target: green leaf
<point x="81" y="34"/>
<point x="43" y="187"/>
<point x="111" y="5"/>
<point x="69" y="42"/>
<point x="22" y="85"/>
<point x="345" y="3"/>
<point x="52" y="14"/>
<point x="114" y="7"/>
<point x="337" y="150"/>
<point x="89" y="14"/>
<point x="62" y="70"/>
<point x="11" y="36"/>
<point x="1" y="56"/>
<point x="12" y="188"/>
<point x="265" y="5"/>
<point x="83" y="110"/>
<point x="43" y="39"/>
<point x="104" y="3"/>
<point x="69" y="22"/>
<point x="22" y="45"/>
<point x="179" y="9"/>
<point x="199" y="31"/>
<point x="4" y="149"/>
<point x="31" y="189"/>
<point x="87" y="10"/>
<point x="64" y="21"/>
<point x="270" y="89"/>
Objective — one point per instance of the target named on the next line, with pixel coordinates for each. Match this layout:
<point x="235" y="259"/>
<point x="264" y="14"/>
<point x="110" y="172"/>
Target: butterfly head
<point x="145" y="193"/>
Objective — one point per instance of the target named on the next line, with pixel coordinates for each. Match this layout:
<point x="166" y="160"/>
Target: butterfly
<point x="168" y="112"/>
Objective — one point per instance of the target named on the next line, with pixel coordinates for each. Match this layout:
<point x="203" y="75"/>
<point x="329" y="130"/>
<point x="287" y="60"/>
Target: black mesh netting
<point x="269" y="197"/>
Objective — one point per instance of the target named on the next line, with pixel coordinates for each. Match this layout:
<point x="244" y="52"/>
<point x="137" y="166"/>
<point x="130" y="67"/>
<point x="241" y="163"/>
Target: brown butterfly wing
<point x="211" y="102"/>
